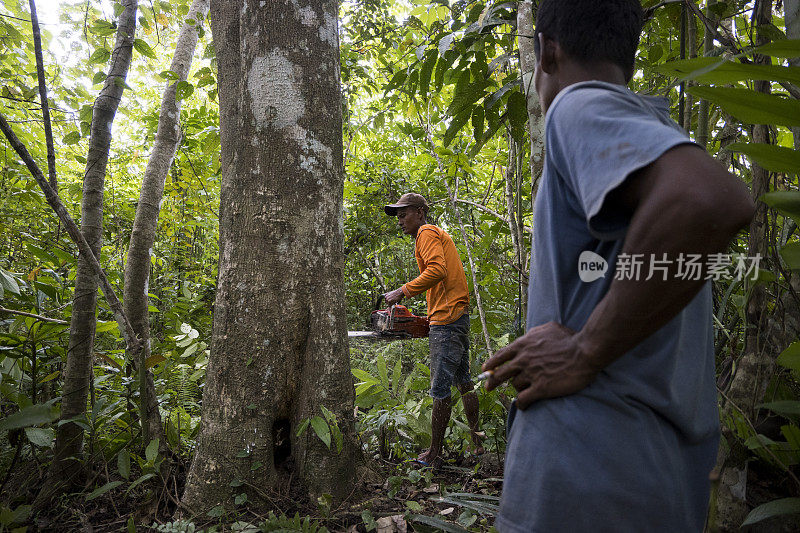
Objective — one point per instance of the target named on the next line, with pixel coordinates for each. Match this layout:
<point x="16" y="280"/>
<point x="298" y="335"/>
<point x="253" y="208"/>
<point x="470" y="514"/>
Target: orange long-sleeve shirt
<point x="441" y="274"/>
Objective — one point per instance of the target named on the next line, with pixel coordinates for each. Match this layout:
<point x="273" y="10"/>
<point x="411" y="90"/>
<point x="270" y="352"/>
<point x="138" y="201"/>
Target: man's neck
<point x="575" y="72"/>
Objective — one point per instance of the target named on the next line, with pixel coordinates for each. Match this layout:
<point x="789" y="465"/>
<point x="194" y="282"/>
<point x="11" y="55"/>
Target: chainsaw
<point x="395" y="322"/>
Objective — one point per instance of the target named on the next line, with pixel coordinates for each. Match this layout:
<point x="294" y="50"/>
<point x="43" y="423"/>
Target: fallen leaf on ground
<point x="391" y="524"/>
<point x="447" y="511"/>
<point x="432" y="489"/>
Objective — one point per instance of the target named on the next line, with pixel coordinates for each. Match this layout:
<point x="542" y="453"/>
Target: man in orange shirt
<point x="442" y="276"/>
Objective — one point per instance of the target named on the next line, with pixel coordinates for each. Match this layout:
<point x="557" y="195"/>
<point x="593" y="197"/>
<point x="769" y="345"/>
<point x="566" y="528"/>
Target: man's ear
<point x="547" y="54"/>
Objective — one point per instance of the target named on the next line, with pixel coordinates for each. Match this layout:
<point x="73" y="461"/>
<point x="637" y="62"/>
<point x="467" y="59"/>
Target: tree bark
<point x="527" y="64"/>
<point x="279" y="349"/>
<point x="78" y="371"/>
<point x="137" y="267"/>
<point x="48" y="130"/>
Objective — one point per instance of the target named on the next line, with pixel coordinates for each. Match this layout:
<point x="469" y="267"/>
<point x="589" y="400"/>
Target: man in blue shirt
<point x="617" y="425"/>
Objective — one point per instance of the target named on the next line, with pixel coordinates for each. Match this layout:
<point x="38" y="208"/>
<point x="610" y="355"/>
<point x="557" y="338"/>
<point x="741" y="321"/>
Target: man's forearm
<point x="634" y="309"/>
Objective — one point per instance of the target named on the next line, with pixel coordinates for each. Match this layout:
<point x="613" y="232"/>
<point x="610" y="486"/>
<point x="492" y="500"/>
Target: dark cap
<point x="409" y="199"/>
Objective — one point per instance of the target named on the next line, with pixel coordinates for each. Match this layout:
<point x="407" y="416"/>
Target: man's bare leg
<point x="470" y="400"/>
<point x="439" y="419"/>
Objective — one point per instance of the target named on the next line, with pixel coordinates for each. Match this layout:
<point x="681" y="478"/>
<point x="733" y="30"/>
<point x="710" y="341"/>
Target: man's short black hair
<point x="592" y="30"/>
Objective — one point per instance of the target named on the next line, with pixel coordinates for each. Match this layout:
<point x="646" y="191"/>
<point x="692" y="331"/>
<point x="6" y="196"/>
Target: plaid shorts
<point x="449" y="345"/>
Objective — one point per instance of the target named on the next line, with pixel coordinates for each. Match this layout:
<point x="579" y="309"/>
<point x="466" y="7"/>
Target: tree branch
<point x="31" y="315"/>
<point x="48" y="129"/>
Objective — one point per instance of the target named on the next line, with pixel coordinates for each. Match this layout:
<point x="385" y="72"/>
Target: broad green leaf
<point x="398" y="369"/>
<point x="322" y="430"/>
<point x="102" y="490"/>
<point x="772" y="509"/>
<point x="785" y="202"/>
<point x="786" y="48"/>
<point x="8" y="282"/>
<point x="477" y="123"/>
<point x="791" y="255"/>
<point x="790" y="357"/>
<point x="124" y="463"/>
<point x="771" y="157"/>
<point x="711" y="70"/>
<point x="426" y="72"/>
<point x="183" y="90"/>
<point x="783" y="407"/>
<point x="139" y="481"/>
<point x="41" y="436"/>
<point x="169" y="75"/>
<point x="455" y="126"/>
<point x="437" y="523"/>
<point x="303" y="426"/>
<point x="364" y="375"/>
<point x="100" y="55"/>
<point x="99" y="77"/>
<point x="151" y="452"/>
<point x="143" y="48"/>
<point x="382" y="371"/>
<point x="72" y="137"/>
<point x="33" y="415"/>
<point x="517" y="109"/>
<point x="751" y="106"/>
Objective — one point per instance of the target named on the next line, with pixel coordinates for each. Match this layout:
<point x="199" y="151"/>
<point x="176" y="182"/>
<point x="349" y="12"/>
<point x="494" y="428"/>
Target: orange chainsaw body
<point x="398" y="321"/>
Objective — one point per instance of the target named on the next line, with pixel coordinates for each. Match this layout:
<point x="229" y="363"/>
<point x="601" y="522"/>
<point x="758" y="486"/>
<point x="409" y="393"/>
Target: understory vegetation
<point x="435" y="101"/>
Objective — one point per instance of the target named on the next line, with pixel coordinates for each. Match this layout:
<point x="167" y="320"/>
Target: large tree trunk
<point x="69" y="436"/>
<point x="137" y="268"/>
<point x="279" y="349"/>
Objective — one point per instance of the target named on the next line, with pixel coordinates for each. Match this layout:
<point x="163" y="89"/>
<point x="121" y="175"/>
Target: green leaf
<point x="711" y="70"/>
<point x="139" y="481"/>
<point x="771" y="157"/>
<point x="426" y="72"/>
<point x="100" y="55"/>
<point x="477" y="123"/>
<point x="240" y="499"/>
<point x="183" y="90"/>
<point x="437" y="523"/>
<point x="151" y="452"/>
<point x="303" y="426"/>
<point x="381" y="364"/>
<point x="787" y="48"/>
<point x="72" y="137"/>
<point x="517" y="109"/>
<point x="783" y="407"/>
<point x="455" y="126"/>
<point x="41" y="436"/>
<point x="322" y="430"/>
<point x="791" y="255"/>
<point x="33" y="415"/>
<point x="102" y="490"/>
<point x="169" y="75"/>
<point x="750" y="106"/>
<point x="785" y="202"/>
<point x="398" y="369"/>
<point x="364" y="376"/>
<point x="143" y="48"/>
<point x="413" y="506"/>
<point x="772" y="509"/>
<point x="790" y="357"/>
<point x="8" y="282"/>
<point x="124" y="463"/>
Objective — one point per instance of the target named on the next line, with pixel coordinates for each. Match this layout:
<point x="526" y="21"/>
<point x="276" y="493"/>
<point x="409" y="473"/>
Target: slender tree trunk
<point x="48" y="130"/>
<point x="137" y="267"/>
<point x="691" y="38"/>
<point x="279" y="349"/>
<point x="755" y="367"/>
<point x="527" y="63"/>
<point x="703" y="109"/>
<point x="78" y="371"/>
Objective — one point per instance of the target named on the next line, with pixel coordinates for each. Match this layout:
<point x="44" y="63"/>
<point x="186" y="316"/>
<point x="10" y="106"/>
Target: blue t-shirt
<point x="633" y="450"/>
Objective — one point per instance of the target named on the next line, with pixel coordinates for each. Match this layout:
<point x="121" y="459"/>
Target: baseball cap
<point x="410" y="199"/>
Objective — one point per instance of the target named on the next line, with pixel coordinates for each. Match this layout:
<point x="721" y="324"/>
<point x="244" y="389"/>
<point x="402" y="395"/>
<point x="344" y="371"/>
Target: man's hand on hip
<point x="546" y="362"/>
<point x="394" y="296"/>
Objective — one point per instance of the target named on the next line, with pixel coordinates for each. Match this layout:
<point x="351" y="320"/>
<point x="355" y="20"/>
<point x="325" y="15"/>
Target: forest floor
<point x="463" y="492"/>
